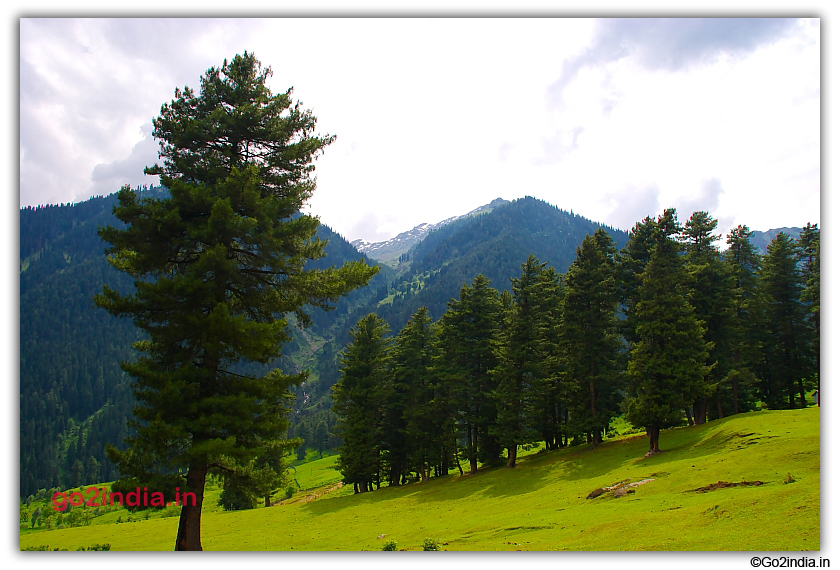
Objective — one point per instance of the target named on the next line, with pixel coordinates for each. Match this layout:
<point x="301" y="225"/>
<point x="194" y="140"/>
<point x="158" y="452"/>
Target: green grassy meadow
<point x="541" y="504"/>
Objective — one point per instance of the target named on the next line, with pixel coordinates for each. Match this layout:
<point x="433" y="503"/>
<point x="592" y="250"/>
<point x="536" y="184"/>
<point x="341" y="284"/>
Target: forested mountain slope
<point x="495" y="244"/>
<point x="74" y="397"/>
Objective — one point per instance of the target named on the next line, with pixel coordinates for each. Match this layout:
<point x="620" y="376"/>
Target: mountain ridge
<point x="388" y="250"/>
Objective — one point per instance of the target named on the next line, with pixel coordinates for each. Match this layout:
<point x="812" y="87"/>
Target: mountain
<point x="391" y="250"/>
<point x="74" y="397"/>
<point x="494" y="243"/>
<point x="762" y="239"/>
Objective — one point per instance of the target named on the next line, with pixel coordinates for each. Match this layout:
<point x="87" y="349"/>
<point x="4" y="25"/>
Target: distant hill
<point x="390" y="250"/>
<point x="762" y="239"/>
<point x="495" y="244"/>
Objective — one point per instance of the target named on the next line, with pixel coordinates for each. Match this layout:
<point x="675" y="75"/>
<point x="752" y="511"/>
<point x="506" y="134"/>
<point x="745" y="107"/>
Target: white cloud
<point x="435" y="117"/>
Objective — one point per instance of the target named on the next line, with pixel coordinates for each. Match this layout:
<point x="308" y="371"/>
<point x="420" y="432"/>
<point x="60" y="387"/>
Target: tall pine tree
<point x="217" y="266"/>
<point x="744" y="263"/>
<point x="590" y="335"/>
<point x="786" y="338"/>
<point x="711" y="295"/>
<point x="809" y="255"/>
<point x="668" y="361"/>
<point x="467" y="335"/>
<point x="525" y="378"/>
<point x="426" y="427"/>
<point x="359" y="401"/>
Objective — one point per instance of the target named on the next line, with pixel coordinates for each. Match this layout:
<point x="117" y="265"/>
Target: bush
<point x="430" y="544"/>
<point x="789" y="479"/>
<point x="234" y="498"/>
<point x="290" y="490"/>
<point x="390" y="545"/>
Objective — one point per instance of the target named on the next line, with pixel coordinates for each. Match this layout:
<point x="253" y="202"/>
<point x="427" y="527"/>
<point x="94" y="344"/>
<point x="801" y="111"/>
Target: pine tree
<point x="785" y="344"/>
<point x="546" y="398"/>
<point x="632" y="261"/>
<point x="217" y="265"/>
<point x="359" y="398"/>
<point x="668" y="360"/>
<point x="590" y="335"/>
<point x="425" y="416"/>
<point x="244" y="485"/>
<point x="744" y="263"/>
<point x="809" y="256"/>
<point x="467" y="337"/>
<point x="711" y="295"/>
<point x="321" y="436"/>
<point x="523" y="376"/>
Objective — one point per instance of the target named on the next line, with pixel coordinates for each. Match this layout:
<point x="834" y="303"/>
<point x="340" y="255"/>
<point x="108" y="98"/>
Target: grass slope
<point x="542" y="504"/>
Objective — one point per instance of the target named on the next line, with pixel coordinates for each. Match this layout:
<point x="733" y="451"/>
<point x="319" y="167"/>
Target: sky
<point x="614" y="119"/>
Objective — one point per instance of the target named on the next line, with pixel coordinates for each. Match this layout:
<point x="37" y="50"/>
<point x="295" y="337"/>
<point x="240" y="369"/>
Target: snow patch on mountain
<point x="401" y="243"/>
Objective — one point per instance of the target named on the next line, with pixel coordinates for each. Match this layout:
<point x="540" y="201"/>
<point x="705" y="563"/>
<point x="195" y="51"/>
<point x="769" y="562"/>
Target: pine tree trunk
<point x="654" y="439"/>
<point x="700" y="411"/>
<point x="818" y="362"/>
<point x="189" y="526"/>
<point x="735" y="380"/>
<point x="688" y="417"/>
<point x="268" y="500"/>
<point x="802" y="394"/>
<point x="720" y="409"/>
<point x="512" y="457"/>
<point x="596" y="437"/>
<point x="735" y="389"/>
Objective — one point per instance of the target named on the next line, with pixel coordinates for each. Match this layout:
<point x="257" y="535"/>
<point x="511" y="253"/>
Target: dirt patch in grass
<point x="321" y="492"/>
<point x="618" y="490"/>
<point x="726" y="485"/>
<point x="309" y="497"/>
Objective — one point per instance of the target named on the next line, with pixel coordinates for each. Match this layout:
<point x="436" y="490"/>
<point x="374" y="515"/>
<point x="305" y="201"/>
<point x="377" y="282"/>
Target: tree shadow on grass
<point x="529" y="476"/>
<point x="534" y="472"/>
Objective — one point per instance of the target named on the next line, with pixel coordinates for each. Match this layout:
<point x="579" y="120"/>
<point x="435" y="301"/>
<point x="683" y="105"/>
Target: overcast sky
<point x="614" y="119"/>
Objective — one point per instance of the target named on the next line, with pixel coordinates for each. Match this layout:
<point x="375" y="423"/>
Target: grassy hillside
<point x="543" y="504"/>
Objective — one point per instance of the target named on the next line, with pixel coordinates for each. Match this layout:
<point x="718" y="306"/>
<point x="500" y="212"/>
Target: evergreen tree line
<point x="669" y="330"/>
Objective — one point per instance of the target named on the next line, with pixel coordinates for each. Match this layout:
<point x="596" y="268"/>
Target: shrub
<point x="390" y="545"/>
<point x="235" y="498"/>
<point x="97" y="547"/>
<point x="789" y="479"/>
<point x="431" y="544"/>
